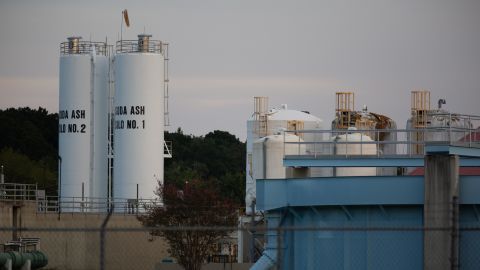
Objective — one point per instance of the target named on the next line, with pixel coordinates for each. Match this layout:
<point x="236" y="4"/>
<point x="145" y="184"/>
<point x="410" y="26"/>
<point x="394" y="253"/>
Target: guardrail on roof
<point x="384" y="142"/>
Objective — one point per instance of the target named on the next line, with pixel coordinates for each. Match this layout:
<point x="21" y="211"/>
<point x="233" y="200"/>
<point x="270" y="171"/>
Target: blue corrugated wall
<point x="370" y="245"/>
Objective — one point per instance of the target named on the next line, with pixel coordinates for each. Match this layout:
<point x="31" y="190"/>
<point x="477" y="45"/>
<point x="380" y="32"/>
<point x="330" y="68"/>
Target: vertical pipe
<point x="91" y="184"/>
<point x="102" y="238"/>
<point x="264" y="154"/>
<point x="14" y="222"/>
<point x="240" y="240"/>
<point x="298" y="145"/>
<point x="361" y="144"/>
<point x="59" y="185"/>
<point x="83" y="197"/>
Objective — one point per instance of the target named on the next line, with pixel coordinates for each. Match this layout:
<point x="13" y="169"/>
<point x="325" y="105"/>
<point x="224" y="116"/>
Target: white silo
<point x="265" y="122"/>
<point x="346" y="146"/>
<point x="83" y="121"/>
<point x="268" y="156"/>
<point x="139" y="118"/>
<point x="433" y="125"/>
<point x="267" y="160"/>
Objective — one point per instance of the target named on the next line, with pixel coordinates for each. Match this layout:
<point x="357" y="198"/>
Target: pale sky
<point x="223" y="53"/>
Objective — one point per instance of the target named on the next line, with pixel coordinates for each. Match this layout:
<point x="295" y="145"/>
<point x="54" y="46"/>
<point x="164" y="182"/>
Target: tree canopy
<point x="29" y="154"/>
<point x="218" y="158"/>
<point x="29" y="147"/>
<point x="192" y="220"/>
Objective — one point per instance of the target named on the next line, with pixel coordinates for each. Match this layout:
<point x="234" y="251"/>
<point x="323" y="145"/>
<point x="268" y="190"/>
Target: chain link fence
<point x="374" y="248"/>
<point x="294" y="248"/>
<point x="110" y="247"/>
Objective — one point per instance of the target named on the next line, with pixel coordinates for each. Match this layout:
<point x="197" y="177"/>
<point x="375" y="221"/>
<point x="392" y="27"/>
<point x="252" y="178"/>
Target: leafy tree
<point x="19" y="168"/>
<point x="32" y="135"/>
<point x="197" y="206"/>
<point x="30" y="132"/>
<point x="218" y="158"/>
<point x="29" y="147"/>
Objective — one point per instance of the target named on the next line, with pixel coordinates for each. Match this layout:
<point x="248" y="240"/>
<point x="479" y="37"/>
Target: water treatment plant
<point x="358" y="192"/>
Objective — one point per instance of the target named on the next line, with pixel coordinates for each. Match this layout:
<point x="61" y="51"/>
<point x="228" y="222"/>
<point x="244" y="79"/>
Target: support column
<point x="441" y="211"/>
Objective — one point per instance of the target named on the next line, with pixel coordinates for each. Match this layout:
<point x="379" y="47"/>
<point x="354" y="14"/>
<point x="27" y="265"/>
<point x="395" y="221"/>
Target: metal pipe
<point x="59" y="185"/>
<point x="270" y="255"/>
<point x="102" y="238"/>
<point x="37" y="259"/>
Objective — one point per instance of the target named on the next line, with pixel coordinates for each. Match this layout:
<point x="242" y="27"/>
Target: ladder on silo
<point x="420" y="107"/>
<point x="165" y="85"/>
<point x="261" y="116"/>
<point x="345" y="104"/>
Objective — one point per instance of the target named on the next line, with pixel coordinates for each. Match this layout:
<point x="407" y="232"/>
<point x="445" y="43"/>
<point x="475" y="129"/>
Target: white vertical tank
<point x="99" y="123"/>
<point x="267" y="157"/>
<point x="346" y="146"/>
<point x="139" y="118"/>
<point x="276" y="119"/>
<point x="83" y="121"/>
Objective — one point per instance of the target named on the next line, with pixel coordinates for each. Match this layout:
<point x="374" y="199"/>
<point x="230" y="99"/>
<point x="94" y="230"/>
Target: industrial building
<point x="377" y="209"/>
<point x="113" y="109"/>
<point x="358" y="193"/>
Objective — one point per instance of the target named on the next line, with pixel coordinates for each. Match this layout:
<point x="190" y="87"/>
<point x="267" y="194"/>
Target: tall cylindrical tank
<point x="346" y="146"/>
<point x="83" y="121"/>
<point x="139" y="118"/>
<point x="432" y="125"/>
<point x="276" y="119"/>
<point x="267" y="157"/>
<point x="443" y="126"/>
<point x="378" y="127"/>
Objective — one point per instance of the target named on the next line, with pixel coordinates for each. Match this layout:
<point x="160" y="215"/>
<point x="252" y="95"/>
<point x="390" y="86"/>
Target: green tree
<point x="218" y="158"/>
<point x="29" y="147"/>
<point x="19" y="168"/>
<point x="190" y="216"/>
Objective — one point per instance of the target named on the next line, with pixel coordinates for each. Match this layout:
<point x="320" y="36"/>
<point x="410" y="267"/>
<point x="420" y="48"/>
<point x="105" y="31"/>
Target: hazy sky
<point x="223" y="53"/>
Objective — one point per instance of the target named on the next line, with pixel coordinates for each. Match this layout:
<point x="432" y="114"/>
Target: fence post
<point x="102" y="238"/>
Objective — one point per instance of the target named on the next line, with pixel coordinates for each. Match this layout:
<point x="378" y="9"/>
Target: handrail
<point x="85" y="47"/>
<point x="20" y="193"/>
<point x="14" y="192"/>
<point x="132" y="46"/>
<point x="378" y="142"/>
<point x="167" y="149"/>
<point x="96" y="205"/>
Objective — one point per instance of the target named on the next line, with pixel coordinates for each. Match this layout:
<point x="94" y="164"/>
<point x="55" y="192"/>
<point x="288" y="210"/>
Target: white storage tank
<point x="346" y="147"/>
<point x="139" y="118"/>
<point x="83" y="122"/>
<point x="444" y="126"/>
<point x="433" y="125"/>
<point x="268" y="161"/>
<point x="273" y="120"/>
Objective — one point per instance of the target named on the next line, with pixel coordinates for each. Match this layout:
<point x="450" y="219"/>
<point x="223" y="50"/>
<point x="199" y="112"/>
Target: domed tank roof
<point x="278" y="138"/>
<point x="283" y="113"/>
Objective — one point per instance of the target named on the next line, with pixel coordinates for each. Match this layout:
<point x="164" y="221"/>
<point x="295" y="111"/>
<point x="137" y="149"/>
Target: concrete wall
<point x="72" y="249"/>
<point x="441" y="211"/>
